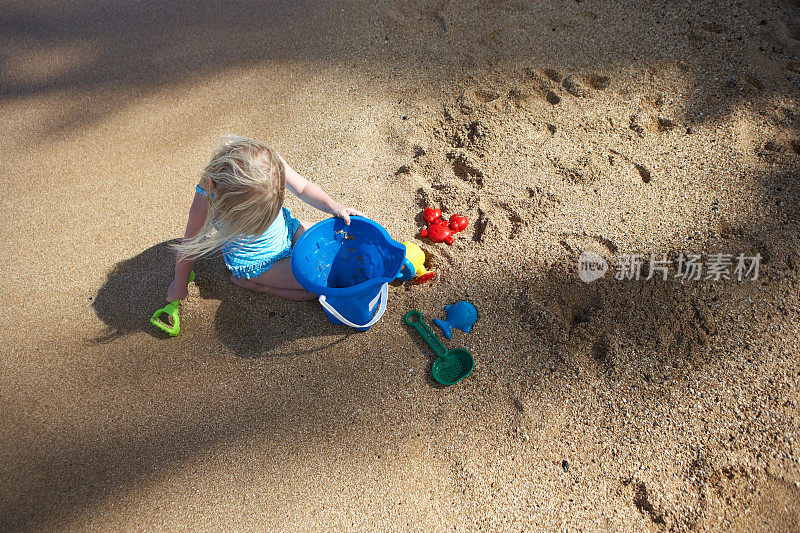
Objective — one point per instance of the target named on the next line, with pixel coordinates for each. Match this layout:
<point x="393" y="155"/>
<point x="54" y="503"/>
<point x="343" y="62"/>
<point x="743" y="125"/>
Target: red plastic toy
<point x="438" y="233"/>
<point x="439" y="230"/>
<point x="431" y="215"/>
<point x="458" y="223"/>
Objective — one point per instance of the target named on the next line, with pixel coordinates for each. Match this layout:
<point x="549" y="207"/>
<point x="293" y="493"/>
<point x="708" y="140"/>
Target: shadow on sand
<point x="628" y="337"/>
<point x="644" y="334"/>
<point x="143" y="46"/>
<point x="249" y="324"/>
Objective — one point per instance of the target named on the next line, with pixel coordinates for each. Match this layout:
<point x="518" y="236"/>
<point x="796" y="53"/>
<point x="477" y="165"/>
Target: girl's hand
<point x="177" y="291"/>
<point x="344" y="212"/>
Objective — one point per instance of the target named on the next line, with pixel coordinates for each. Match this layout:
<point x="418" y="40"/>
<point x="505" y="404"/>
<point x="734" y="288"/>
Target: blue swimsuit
<point x="248" y="257"/>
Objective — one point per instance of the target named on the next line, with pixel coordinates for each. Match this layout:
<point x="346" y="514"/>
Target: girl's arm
<point x="313" y="195"/>
<point x="197" y="216"/>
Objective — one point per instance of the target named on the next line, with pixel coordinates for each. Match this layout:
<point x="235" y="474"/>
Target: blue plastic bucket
<point x="349" y="267"/>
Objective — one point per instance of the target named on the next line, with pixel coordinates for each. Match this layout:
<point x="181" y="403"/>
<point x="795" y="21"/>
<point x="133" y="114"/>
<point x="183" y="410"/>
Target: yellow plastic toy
<point x="414" y="264"/>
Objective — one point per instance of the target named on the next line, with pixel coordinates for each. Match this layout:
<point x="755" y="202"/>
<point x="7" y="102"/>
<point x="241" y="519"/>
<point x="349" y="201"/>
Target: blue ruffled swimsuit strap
<point x="202" y="191"/>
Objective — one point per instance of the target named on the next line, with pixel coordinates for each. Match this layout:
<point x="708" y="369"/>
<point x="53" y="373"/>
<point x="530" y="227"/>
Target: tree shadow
<point x="147" y="45"/>
<point x="637" y="331"/>
<point x="142" y="443"/>
<point x="642" y="336"/>
<point x="646" y="334"/>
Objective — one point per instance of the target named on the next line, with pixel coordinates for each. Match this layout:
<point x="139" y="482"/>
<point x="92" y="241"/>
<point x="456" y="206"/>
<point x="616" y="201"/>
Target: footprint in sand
<point x="792" y="31"/>
<point x="642" y="501"/>
<point x="644" y="173"/>
<point x="791" y="146"/>
<point x="575" y="86"/>
<point x="755" y="82"/>
<point x="486" y="95"/>
<point x="714" y="28"/>
<point x="577" y="168"/>
<point x="552" y="98"/>
<point x="543" y="80"/>
<point x="423" y="198"/>
<point x="598" y="81"/>
<point x="466" y="167"/>
<point x="479" y="226"/>
<point x="573" y="173"/>
<point x="575" y="243"/>
<point x="519" y="98"/>
<point x="637" y="124"/>
<point x="553" y="74"/>
<point x="586" y="306"/>
<point x="514" y="218"/>
<point x="541" y="199"/>
<point x="665" y="124"/>
<point x="793" y="67"/>
<point x="601" y="351"/>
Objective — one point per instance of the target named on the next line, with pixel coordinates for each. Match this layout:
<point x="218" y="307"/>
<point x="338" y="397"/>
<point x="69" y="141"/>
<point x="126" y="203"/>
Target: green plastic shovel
<point x="173" y="324"/>
<point x="450" y="366"/>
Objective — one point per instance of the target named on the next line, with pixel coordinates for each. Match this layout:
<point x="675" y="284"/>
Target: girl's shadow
<point x="249" y="324"/>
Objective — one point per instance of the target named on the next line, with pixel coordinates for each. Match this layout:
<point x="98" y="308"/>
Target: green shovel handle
<point x="414" y="319"/>
<point x="170" y="309"/>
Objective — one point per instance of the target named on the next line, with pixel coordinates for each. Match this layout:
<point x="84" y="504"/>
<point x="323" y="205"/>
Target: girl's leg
<point x="279" y="279"/>
<point x="304" y="225"/>
<point x="299" y="295"/>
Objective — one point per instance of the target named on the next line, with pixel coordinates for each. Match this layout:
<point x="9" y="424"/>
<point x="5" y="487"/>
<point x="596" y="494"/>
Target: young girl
<point x="238" y="209"/>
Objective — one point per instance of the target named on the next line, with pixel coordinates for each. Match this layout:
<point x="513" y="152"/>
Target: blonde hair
<point x="249" y="179"/>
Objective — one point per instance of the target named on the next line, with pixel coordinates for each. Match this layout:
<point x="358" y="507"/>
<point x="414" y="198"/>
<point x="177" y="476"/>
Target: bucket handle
<point x="383" y="296"/>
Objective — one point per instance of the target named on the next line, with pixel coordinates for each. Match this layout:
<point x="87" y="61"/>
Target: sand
<point x="556" y="127"/>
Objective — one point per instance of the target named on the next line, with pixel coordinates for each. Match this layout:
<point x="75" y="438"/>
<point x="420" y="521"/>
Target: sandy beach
<point x="649" y="129"/>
